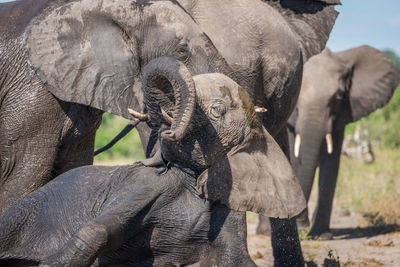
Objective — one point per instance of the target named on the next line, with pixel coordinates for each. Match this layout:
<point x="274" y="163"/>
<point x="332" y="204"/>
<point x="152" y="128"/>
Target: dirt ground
<point x="353" y="244"/>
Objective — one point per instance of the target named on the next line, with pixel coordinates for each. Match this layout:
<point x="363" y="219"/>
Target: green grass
<point x="372" y="189"/>
<point x="128" y="149"/>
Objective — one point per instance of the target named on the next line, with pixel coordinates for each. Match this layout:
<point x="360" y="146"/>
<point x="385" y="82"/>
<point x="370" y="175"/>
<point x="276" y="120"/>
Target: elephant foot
<point x="320" y="235"/>
<point x="264" y="226"/>
<point x="302" y="220"/>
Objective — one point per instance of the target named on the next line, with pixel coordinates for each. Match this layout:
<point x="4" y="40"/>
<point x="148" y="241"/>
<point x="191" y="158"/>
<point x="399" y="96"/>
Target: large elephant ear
<point x="311" y="20"/>
<point x="373" y="82"/>
<point x="82" y="51"/>
<point x="255" y="176"/>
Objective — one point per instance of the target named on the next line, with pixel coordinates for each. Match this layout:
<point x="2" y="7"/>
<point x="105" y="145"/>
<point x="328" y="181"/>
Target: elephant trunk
<point x="169" y="95"/>
<point x="307" y="158"/>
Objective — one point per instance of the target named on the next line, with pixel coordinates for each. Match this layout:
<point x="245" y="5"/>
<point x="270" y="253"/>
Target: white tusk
<point x="166" y="116"/>
<point x="260" y="109"/>
<point x="138" y="115"/>
<point x="297" y="143"/>
<point x="329" y="143"/>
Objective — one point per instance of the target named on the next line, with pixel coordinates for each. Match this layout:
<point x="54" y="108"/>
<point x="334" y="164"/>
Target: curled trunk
<point x="168" y="88"/>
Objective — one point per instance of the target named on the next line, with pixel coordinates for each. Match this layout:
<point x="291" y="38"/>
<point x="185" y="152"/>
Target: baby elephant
<point x="217" y="162"/>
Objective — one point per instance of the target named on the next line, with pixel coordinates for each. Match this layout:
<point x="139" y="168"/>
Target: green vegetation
<point x="371" y="189"/>
<point x="127" y="150"/>
<point x="392" y="55"/>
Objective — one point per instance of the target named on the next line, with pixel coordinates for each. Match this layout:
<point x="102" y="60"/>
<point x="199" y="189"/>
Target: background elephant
<point x="149" y="216"/>
<point x="337" y="88"/>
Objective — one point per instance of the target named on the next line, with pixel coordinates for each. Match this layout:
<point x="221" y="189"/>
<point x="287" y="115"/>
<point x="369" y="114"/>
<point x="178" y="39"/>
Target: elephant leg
<point x="286" y="243"/>
<point x="228" y="230"/>
<point x="263" y="227"/>
<point x="78" y="136"/>
<point x="29" y="138"/>
<point x="26" y="166"/>
<point x="329" y="167"/>
<point x="284" y="236"/>
<point x="82" y="249"/>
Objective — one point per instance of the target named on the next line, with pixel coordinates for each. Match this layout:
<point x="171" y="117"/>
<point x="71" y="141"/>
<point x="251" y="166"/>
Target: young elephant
<point x="218" y="157"/>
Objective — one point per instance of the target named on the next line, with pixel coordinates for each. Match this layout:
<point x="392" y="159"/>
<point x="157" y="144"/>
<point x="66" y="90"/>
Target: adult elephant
<point x="266" y="44"/>
<point x="62" y="63"/>
<point x="91" y="53"/>
<point x="337" y="88"/>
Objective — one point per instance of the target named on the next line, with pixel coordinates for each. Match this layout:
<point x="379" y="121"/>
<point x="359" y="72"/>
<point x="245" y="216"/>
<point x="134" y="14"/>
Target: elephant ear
<point x="311" y="20"/>
<point x="373" y="81"/>
<point x="255" y="176"/>
<point x="82" y="52"/>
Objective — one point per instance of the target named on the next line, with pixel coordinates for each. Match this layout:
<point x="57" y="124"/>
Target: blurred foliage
<point x="392" y="55"/>
<point x="383" y="125"/>
<point x="128" y="148"/>
<point x="373" y="189"/>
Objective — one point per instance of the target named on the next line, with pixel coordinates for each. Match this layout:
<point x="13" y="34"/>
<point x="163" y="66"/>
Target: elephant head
<point x="337" y="88"/>
<point x="93" y="53"/>
<point x="219" y="136"/>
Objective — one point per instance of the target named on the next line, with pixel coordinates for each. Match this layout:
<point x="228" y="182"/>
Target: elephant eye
<point x="217" y="110"/>
<point x="183" y="47"/>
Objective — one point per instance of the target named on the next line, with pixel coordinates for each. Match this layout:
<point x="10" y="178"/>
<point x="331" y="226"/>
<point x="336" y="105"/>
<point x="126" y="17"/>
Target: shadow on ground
<point x="368" y="231"/>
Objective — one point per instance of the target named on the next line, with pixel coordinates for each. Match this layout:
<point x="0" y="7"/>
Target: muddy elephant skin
<point x="189" y="209"/>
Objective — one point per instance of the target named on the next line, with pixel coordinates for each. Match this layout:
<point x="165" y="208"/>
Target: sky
<point x="372" y="22"/>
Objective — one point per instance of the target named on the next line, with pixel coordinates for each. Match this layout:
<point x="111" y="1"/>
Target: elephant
<point x="218" y="162"/>
<point x="88" y="54"/>
<point x="337" y="88"/>
<point x="84" y="57"/>
<point x="61" y="88"/>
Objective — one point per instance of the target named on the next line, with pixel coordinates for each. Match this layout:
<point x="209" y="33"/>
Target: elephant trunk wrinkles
<point x="311" y="140"/>
<point x="159" y="76"/>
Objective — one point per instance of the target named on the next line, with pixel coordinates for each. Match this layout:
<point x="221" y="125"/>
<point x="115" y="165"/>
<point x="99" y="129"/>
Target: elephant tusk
<point x="329" y="143"/>
<point x="138" y="115"/>
<point x="297" y="143"/>
<point x="260" y="109"/>
<point x="166" y="116"/>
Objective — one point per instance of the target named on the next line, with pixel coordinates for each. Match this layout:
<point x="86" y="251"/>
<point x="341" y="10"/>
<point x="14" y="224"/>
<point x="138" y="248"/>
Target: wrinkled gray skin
<point x="43" y="132"/>
<point x="149" y="216"/>
<point x="91" y="53"/>
<point x="337" y="88"/>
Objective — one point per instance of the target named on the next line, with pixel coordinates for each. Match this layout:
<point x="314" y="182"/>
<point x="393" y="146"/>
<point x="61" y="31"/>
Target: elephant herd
<point x="213" y="87"/>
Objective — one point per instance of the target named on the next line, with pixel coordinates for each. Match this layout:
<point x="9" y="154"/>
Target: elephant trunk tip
<point x="169" y="136"/>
